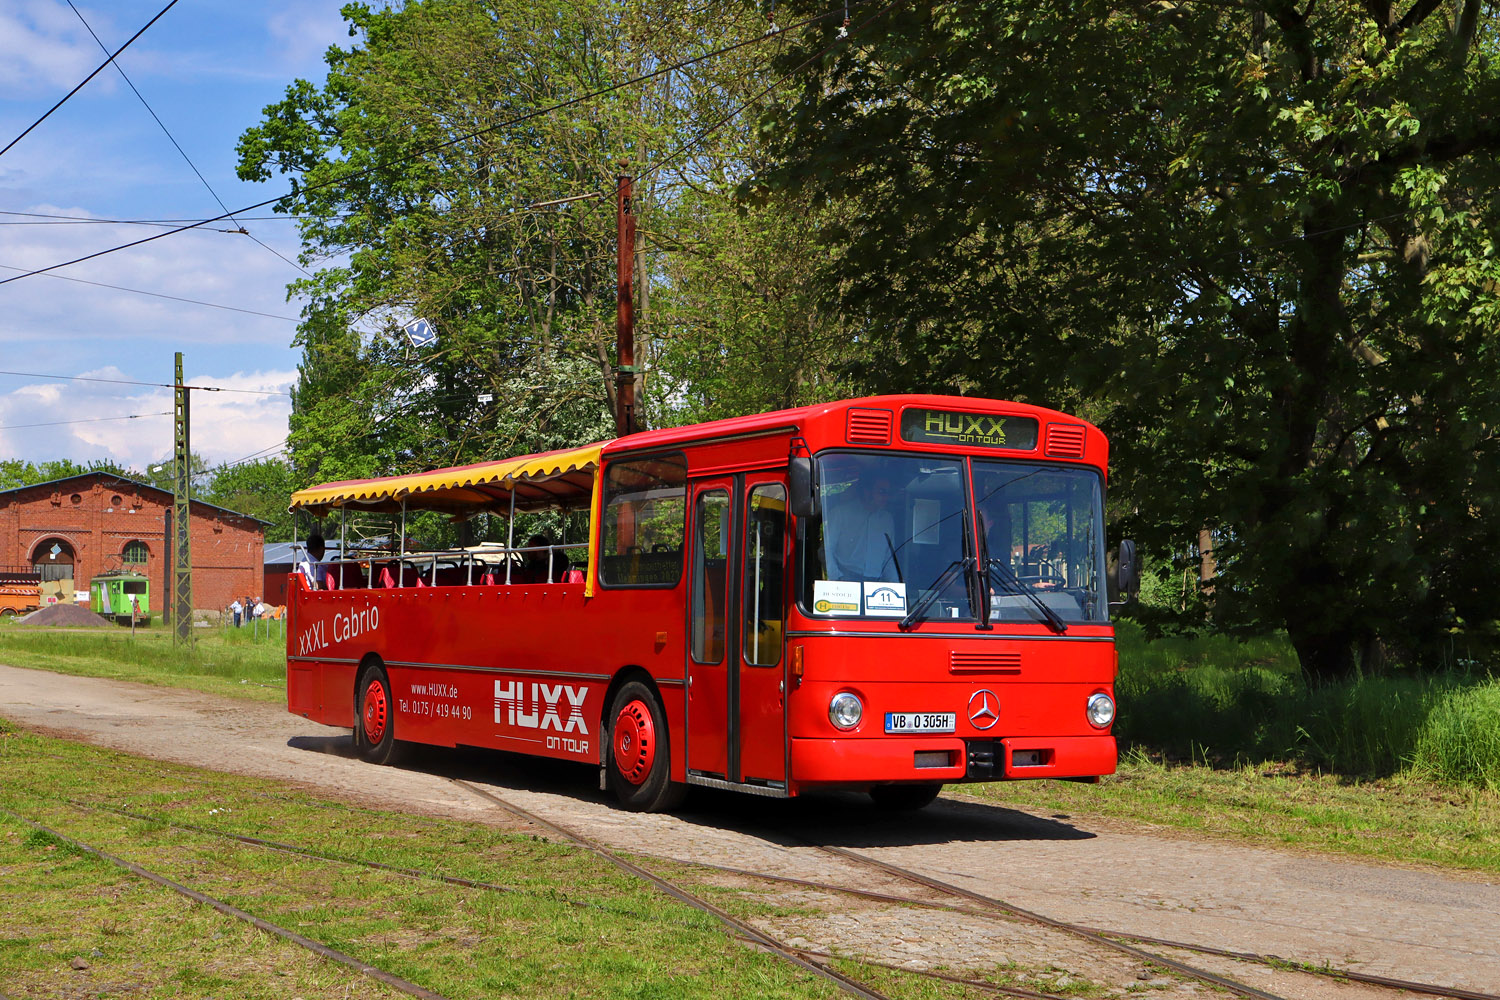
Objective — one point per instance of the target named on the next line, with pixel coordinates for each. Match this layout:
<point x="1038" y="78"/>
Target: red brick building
<point x="72" y="529"/>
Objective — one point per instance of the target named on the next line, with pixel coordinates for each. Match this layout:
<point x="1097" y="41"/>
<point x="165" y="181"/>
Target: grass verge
<point x="225" y="662"/>
<point x="571" y="925"/>
<point x="1218" y="700"/>
<point x="1402" y="819"/>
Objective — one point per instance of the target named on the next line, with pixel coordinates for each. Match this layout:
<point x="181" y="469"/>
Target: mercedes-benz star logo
<point x="984" y="709"/>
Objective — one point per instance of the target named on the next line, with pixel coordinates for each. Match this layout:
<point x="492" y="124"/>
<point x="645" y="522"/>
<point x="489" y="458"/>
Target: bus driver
<point x="859" y="534"/>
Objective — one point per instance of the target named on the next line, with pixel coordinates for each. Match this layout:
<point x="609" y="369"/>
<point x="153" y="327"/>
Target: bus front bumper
<point x="853" y="761"/>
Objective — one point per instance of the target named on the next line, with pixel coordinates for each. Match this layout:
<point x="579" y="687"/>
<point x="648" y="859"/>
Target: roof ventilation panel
<point x="1065" y="440"/>
<point x="869" y="427"/>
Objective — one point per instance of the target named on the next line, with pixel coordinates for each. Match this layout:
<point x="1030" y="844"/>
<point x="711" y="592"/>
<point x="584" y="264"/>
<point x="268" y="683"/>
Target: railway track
<point x="316" y="947"/>
<point x="815" y="963"/>
<point x="1273" y="961"/>
<point x="959" y="900"/>
<point x="818" y="957"/>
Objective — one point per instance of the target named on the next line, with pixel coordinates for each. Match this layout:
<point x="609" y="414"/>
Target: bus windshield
<point x="894" y="535"/>
<point x="891" y="527"/>
<point x="1044" y="535"/>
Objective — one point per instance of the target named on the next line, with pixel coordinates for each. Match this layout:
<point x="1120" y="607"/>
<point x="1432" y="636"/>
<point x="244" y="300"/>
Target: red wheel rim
<point x="375" y="712"/>
<point x="635" y="742"/>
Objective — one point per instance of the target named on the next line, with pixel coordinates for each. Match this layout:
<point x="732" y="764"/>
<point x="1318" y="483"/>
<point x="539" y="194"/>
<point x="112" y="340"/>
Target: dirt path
<point x="1402" y="923"/>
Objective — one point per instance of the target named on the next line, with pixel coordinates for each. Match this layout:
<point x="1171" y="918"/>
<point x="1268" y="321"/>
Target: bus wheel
<point x="375" y="722"/>
<point x="639" y="760"/>
<point x="904" y="797"/>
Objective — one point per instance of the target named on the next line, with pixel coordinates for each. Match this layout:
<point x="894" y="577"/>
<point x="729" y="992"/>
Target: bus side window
<point x="645" y="514"/>
<point x="764" y="544"/>
<point x="710" y="576"/>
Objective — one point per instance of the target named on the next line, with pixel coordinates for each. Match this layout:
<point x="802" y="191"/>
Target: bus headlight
<point x="845" y="710"/>
<point x="1101" y="710"/>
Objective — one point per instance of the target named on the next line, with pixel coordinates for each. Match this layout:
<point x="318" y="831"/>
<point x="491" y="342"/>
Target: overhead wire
<point x="154" y="385"/>
<point x="84" y="420"/>
<point x="508" y="123"/>
<point x="157" y="295"/>
<point x="178" y="146"/>
<point x="78" y="220"/>
<point x="86" y="79"/>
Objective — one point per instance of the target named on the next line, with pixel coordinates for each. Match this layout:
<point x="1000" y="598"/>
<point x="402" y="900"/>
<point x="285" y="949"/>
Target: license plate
<point x="921" y="722"/>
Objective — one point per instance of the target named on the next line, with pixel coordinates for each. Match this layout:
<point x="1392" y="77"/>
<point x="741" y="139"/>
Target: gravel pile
<point x="65" y="616"/>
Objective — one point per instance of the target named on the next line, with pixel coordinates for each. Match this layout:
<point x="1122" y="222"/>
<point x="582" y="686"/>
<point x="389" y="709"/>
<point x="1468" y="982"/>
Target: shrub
<point x="1217" y="699"/>
<point x="1460" y="739"/>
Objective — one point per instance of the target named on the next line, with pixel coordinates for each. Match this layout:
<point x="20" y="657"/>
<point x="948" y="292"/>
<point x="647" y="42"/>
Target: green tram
<point x="114" y="594"/>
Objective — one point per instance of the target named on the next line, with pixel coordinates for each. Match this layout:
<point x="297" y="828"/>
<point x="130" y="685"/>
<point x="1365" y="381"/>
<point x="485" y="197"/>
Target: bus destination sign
<point x="988" y="430"/>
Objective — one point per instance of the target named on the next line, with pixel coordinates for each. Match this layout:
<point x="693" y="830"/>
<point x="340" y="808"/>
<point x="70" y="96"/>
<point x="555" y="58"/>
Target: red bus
<point x="883" y="594"/>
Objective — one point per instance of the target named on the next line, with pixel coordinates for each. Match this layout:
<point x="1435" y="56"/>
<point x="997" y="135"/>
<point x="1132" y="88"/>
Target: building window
<point x="135" y="553"/>
<point x="77" y="499"/>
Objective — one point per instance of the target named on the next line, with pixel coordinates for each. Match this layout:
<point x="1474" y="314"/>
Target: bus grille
<point x="984" y="663"/>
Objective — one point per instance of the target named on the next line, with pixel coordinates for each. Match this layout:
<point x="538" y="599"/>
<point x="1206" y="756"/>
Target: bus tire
<point x="374" y="716"/>
<point x="639" y="758"/>
<point x="904" y="798"/>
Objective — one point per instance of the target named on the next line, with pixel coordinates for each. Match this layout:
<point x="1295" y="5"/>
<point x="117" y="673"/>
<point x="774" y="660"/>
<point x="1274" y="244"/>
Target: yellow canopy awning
<point x="551" y="479"/>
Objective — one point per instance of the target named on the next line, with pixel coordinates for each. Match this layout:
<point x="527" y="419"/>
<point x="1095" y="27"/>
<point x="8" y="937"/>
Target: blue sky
<point x="207" y="68"/>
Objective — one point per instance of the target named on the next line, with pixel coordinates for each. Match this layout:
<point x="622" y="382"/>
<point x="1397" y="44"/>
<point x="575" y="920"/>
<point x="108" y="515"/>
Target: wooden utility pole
<point x="625" y="307"/>
<point x="182" y="521"/>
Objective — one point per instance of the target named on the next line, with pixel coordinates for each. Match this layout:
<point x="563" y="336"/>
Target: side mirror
<point x="802" y="487"/>
<point x="1129" y="571"/>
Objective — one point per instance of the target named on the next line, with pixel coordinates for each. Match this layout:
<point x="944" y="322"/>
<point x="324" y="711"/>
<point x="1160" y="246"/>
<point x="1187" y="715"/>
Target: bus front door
<point x="710" y="626"/>
<point x="760" y="691"/>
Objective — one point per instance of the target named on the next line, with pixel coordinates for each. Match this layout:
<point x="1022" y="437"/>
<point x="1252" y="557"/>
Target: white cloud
<point x="132" y="425"/>
<point x="304" y="32"/>
<point x="54" y="326"/>
<point x="44" y="47"/>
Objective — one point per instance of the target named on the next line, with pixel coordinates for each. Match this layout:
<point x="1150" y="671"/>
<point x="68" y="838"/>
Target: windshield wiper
<point x="939" y="585"/>
<point x="894" y="561"/>
<point x="1013" y="584"/>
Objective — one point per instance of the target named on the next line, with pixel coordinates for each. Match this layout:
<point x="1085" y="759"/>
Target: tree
<point x="14" y="472"/>
<point x="419" y="164"/>
<point x="260" y="489"/>
<point x="1255" y="241"/>
<point x="162" y="473"/>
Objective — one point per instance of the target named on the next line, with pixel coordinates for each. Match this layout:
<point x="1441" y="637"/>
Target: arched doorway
<point x="53" y="559"/>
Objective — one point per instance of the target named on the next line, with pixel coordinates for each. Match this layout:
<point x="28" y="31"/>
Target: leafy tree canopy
<point x="260" y="489"/>
<point x="14" y="472"/>
<point x="420" y="163"/>
<point x="1256" y="241"/>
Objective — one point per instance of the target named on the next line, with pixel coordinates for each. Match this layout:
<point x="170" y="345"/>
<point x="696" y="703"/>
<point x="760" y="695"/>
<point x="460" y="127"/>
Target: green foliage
<point x="260" y="489"/>
<point x="419" y="162"/>
<point x="14" y="472"/>
<point x="1215" y="699"/>
<point x="1255" y="242"/>
<point x="1459" y="741"/>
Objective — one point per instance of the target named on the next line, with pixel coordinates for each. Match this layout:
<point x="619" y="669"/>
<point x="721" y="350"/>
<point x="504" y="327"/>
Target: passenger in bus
<point x="859" y="532"/>
<point x="312" y="569"/>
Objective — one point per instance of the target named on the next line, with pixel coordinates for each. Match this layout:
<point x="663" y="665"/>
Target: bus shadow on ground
<point x="850" y="819"/>
<point x="841" y="819"/>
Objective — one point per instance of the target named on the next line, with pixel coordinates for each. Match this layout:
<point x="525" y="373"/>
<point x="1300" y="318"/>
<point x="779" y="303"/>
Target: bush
<point x="1219" y="700"/>
<point x="1460" y="739"/>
